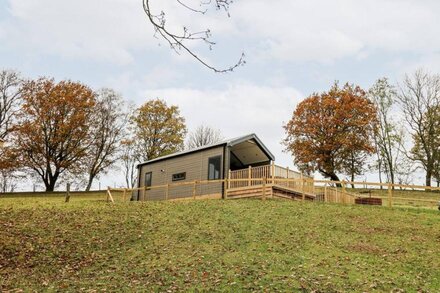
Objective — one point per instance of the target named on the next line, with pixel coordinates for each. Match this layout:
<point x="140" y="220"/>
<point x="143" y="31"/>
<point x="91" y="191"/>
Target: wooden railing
<point x="256" y="174"/>
<point x="323" y="190"/>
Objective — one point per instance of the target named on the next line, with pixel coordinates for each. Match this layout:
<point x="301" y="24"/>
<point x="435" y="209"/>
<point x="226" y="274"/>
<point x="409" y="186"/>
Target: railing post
<point x="226" y="184"/>
<point x="390" y="195"/>
<point x="249" y="175"/>
<point x="229" y="179"/>
<point x="273" y="172"/>
<point x="264" y="188"/>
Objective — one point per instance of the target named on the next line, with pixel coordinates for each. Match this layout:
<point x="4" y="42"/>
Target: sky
<point x="293" y="48"/>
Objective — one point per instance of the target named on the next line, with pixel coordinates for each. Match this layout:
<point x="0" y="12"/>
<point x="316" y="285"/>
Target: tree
<point x="203" y="135"/>
<point x="178" y="41"/>
<point x="388" y="135"/>
<point x="54" y="127"/>
<point x="158" y="130"/>
<point x="419" y="98"/>
<point x="328" y="130"/>
<point x="107" y="129"/>
<point x="129" y="161"/>
<point x="10" y="82"/>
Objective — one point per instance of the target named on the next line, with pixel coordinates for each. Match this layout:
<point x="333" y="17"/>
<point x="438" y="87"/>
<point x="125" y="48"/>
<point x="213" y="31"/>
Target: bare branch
<point x="177" y="41"/>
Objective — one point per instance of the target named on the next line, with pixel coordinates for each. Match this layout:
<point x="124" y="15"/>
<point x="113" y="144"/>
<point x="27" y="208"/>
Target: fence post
<point x="167" y="190"/>
<point x="109" y="195"/>
<point x="67" y="192"/>
<point x="343" y="186"/>
<point x="249" y="175"/>
<point x="302" y="187"/>
<point x="390" y="195"/>
<point x="194" y="189"/>
<point x="264" y="188"/>
<point x="145" y="193"/>
<point x="287" y="176"/>
<point x="124" y="194"/>
<point x="325" y="192"/>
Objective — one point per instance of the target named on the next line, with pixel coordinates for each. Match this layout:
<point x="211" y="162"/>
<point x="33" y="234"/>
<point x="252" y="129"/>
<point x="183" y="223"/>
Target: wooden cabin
<point x="244" y="159"/>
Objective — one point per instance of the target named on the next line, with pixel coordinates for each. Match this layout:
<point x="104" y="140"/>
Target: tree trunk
<point x="89" y="183"/>
<point x="334" y="177"/>
<point x="428" y="176"/>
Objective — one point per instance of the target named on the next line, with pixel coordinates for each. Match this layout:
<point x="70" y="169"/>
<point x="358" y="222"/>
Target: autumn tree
<point x="184" y="40"/>
<point x="54" y="127"/>
<point x="158" y="130"/>
<point x="106" y="132"/>
<point x="203" y="135"/>
<point x="328" y="131"/>
<point x="419" y="98"/>
<point x="388" y="134"/>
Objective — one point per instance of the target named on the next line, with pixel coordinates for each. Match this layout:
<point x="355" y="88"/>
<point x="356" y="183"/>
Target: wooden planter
<point x="369" y="201"/>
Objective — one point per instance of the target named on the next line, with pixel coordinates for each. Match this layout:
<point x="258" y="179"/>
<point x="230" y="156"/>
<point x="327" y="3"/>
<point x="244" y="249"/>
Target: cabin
<point x="244" y="159"/>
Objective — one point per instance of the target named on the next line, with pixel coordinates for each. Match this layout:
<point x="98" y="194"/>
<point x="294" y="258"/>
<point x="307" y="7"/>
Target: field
<point x="215" y="245"/>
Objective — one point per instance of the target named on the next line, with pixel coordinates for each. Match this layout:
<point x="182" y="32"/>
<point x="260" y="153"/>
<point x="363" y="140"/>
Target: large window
<point x="214" y="168"/>
<point x="148" y="177"/>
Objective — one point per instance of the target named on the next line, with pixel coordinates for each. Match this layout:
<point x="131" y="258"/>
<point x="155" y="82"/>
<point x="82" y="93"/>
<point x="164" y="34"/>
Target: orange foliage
<point x="327" y="129"/>
<point x="55" y="121"/>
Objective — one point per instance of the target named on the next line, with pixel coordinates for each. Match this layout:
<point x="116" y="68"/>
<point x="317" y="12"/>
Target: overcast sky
<point x="293" y="48"/>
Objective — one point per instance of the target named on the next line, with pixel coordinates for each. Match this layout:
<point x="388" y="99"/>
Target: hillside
<point x="216" y="245"/>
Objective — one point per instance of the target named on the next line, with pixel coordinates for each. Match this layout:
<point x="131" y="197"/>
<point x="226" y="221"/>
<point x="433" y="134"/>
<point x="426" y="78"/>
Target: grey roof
<point x="227" y="142"/>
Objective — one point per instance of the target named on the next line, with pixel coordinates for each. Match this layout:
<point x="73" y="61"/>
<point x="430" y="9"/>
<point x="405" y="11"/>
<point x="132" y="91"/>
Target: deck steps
<point x="270" y="191"/>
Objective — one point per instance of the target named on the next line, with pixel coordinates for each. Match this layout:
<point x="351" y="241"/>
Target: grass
<point x="242" y="245"/>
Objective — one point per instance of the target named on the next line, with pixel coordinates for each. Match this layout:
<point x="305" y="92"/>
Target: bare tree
<point x="129" y="162"/>
<point x="107" y="129"/>
<point x="10" y="82"/>
<point x="388" y="135"/>
<point x="419" y="98"/>
<point x="203" y="135"/>
<point x="180" y="41"/>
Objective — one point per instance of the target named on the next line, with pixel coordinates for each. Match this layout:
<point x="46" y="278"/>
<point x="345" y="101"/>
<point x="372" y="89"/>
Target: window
<point x="148" y="177"/>
<point x="214" y="164"/>
<point x="179" y="176"/>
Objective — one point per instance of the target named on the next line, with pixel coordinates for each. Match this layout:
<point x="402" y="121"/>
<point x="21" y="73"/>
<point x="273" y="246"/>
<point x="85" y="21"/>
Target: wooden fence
<point x="322" y="190"/>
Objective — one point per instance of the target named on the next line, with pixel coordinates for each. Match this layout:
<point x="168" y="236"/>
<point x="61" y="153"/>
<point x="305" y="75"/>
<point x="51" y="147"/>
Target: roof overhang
<point x="235" y="142"/>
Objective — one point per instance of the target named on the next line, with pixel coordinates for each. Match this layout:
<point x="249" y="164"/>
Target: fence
<point x="342" y="192"/>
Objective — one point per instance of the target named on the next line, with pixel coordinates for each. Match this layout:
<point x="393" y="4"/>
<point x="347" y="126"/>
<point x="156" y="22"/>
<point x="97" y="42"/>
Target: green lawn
<point x="242" y="245"/>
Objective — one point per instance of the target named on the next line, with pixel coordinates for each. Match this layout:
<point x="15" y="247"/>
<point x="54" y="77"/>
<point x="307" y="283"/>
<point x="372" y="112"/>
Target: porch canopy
<point x="248" y="151"/>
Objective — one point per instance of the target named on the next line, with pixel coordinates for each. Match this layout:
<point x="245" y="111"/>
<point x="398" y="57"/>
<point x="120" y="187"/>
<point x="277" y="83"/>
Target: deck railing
<point x="271" y="173"/>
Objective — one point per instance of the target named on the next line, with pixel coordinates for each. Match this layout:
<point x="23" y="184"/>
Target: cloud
<point x="320" y="31"/>
<point x="241" y="108"/>
<point x="102" y="30"/>
<point x="325" y="31"/>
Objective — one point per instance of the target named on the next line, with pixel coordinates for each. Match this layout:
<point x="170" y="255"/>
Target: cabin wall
<point x="196" y="167"/>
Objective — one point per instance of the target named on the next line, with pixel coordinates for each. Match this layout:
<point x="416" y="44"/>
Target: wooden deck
<point x="272" y="181"/>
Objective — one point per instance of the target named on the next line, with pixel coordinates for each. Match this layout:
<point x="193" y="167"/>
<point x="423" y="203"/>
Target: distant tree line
<point x="390" y="129"/>
<point x="65" y="131"/>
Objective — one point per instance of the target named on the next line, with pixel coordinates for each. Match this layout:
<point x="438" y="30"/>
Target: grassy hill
<point x="216" y="246"/>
